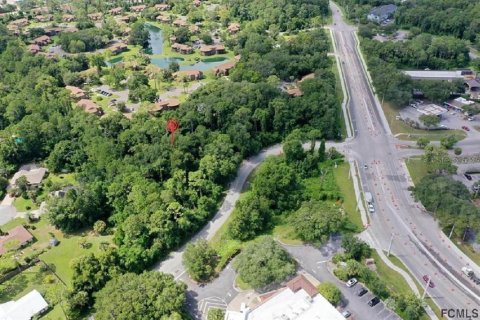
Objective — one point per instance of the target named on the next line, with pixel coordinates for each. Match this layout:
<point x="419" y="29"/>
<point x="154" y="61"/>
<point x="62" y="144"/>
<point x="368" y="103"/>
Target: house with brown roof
<point x="15" y="239"/>
<point x="197" y="3"/>
<point x="233" y="27"/>
<point x="89" y="106"/>
<point x="42" y="40"/>
<point x="214" y="49"/>
<point x="162" y="7"/>
<point x="115" y="11"/>
<point x="19" y="22"/>
<point x="194" y="28"/>
<point x="68" y="18"/>
<point x="34" y="176"/>
<point x="180" y="23"/>
<point x="182" y="48"/>
<point x="33" y="48"/>
<point x="117" y="48"/>
<point x="44" y="18"/>
<point x="95" y="16"/>
<point x="189" y="75"/>
<point x="164" y="105"/>
<point x="76" y="92"/>
<point x="138" y="8"/>
<point x="224" y="69"/>
<point x="39" y="10"/>
<point x="163" y="19"/>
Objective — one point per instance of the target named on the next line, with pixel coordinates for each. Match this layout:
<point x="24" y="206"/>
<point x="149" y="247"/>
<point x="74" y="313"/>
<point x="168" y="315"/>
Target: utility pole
<point x="390" y="246"/>
<point x="451" y="232"/>
<point x="426" y="287"/>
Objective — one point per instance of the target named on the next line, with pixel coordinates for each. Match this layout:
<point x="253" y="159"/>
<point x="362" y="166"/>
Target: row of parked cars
<point x="361" y="291"/>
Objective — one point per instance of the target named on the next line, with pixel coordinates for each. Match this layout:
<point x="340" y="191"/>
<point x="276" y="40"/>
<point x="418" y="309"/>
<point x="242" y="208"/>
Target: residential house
<point x="90" y="107"/>
<point x="172" y="39"/>
<point x="307" y="77"/>
<point x="189" y="75"/>
<point x="163" y="19"/>
<point x="138" y="8"/>
<point x="224" y="69"/>
<point x="162" y="7"/>
<point x="95" y="16"/>
<point x="473" y="88"/>
<point x="180" y="23"/>
<point x="15" y="238"/>
<point x="164" y="105"/>
<point x="298" y="300"/>
<point x="182" y="48"/>
<point x="213" y="49"/>
<point x="76" y="92"/>
<point x="34" y="176"/>
<point x="194" y="28"/>
<point x="27" y="307"/>
<point x="19" y="23"/>
<point x="115" y="11"/>
<point x="233" y="28"/>
<point x="68" y="18"/>
<point x="34" y="48"/>
<point x="42" y="40"/>
<point x="44" y="18"/>
<point x="126" y="19"/>
<point x="197" y="3"/>
<point x="39" y="10"/>
<point x="382" y="13"/>
<point x="294" y="92"/>
<point x="117" y="47"/>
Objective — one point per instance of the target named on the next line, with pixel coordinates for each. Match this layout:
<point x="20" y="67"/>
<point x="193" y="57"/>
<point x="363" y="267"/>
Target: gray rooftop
<point x="384" y="10"/>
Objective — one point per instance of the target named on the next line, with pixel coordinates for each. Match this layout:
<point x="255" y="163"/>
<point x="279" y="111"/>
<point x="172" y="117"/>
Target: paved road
<point x="418" y="242"/>
<point x="316" y="262"/>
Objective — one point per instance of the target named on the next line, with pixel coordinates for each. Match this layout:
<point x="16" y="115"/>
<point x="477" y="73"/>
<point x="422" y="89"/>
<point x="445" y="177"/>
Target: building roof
<point x="165" y="104"/>
<point x="434" y="75"/>
<point x="431" y="110"/>
<point x="384" y="10"/>
<point x="18" y="234"/>
<point x="188" y="73"/>
<point x="75" y="91"/>
<point x="24" y="308"/>
<point x="34" y="176"/>
<point x="299" y="300"/>
<point x="162" y="6"/>
<point x="295" y="92"/>
<point x="473" y="83"/>
<point x="41" y="39"/>
<point x="233" y="27"/>
<point x="88" y="106"/>
<point x="140" y="7"/>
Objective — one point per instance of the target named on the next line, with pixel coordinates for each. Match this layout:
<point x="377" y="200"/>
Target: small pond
<point x="156" y="39"/>
<point x="202" y="65"/>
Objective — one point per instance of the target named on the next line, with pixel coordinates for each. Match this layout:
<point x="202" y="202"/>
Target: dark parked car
<point x="374" y="302"/>
<point x="430" y="284"/>
<point x="469" y="177"/>
<point x="361" y="291"/>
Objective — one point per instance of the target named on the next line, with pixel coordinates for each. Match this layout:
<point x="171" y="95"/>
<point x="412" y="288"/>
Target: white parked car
<point x="371" y="208"/>
<point x="351" y="282"/>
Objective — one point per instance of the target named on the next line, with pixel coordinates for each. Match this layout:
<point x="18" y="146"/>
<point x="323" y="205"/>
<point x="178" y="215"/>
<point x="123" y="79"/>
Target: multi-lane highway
<point x="417" y="240"/>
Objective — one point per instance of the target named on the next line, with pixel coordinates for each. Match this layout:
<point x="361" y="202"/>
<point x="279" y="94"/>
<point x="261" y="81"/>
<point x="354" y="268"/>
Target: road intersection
<point x="418" y="241"/>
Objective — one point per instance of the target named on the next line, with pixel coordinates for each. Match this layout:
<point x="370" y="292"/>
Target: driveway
<point x="316" y="262"/>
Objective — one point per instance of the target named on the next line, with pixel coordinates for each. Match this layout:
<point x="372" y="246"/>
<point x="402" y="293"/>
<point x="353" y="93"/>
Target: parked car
<point x="361" y="292"/>
<point x="465" y="128"/>
<point x="468" y="177"/>
<point x="351" y="282"/>
<point x="430" y="284"/>
<point x="374" y="301"/>
<point x="371" y="208"/>
<point x="346" y="314"/>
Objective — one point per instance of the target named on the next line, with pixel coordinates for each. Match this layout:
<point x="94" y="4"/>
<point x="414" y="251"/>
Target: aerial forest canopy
<point x="154" y="194"/>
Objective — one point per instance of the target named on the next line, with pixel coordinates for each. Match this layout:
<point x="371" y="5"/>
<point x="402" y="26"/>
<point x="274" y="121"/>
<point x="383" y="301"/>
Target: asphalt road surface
<point x="417" y="240"/>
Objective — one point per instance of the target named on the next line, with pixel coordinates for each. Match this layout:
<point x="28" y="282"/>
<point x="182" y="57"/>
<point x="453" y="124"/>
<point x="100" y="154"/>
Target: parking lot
<point x="376" y="312"/>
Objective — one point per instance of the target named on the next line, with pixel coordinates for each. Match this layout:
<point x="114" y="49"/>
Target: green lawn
<point x="345" y="185"/>
<point x="417" y="168"/>
<point x="409" y="133"/>
<point x="62" y="179"/>
<point x="339" y="94"/>
<point x="22" y="204"/>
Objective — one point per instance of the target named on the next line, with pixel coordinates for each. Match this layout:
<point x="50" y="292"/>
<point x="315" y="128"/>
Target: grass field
<point x="345" y="185"/>
<point x="339" y="94"/>
<point x="22" y="204"/>
<point x="417" y="168"/>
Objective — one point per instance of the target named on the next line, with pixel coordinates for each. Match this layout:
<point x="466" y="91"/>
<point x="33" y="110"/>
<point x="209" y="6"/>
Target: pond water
<point x="202" y="65"/>
<point x="156" y="47"/>
<point x="156" y="39"/>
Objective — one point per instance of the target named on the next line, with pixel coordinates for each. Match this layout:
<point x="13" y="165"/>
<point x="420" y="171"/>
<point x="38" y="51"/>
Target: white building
<point x="25" y="308"/>
<point x="299" y="300"/>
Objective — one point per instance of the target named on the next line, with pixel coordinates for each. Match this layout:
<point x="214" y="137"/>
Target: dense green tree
<point x="422" y="142"/>
<point x="139" y="35"/>
<point x="150" y="295"/>
<point x="251" y="216"/>
<point x="448" y="141"/>
<point x="200" y="260"/>
<point x="437" y="160"/>
<point x="429" y="120"/>
<point x="330" y="292"/>
<point x="316" y="221"/>
<point x="355" y="248"/>
<point x="263" y="263"/>
<point x="216" y="314"/>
